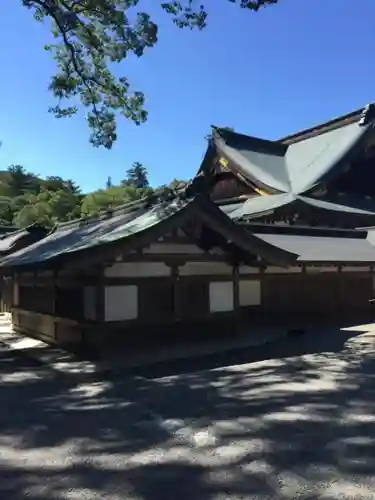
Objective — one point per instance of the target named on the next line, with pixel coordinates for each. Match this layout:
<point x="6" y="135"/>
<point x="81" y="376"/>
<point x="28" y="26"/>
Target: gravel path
<point x="291" y="421"/>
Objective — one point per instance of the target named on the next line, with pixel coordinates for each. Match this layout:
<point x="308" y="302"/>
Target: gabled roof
<point x="135" y="225"/>
<point x="286" y="170"/>
<point x="295" y="166"/>
<point x="85" y="234"/>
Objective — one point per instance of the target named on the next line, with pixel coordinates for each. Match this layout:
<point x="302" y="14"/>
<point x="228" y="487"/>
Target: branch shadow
<point x="292" y="420"/>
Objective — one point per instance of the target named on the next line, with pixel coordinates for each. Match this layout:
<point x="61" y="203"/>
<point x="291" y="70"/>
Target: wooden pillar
<point x="340" y="291"/>
<point x="177" y="295"/>
<point x="54" y="310"/>
<point x="236" y="298"/>
<point x="15" y="289"/>
<point x="100" y="295"/>
<point x="54" y="291"/>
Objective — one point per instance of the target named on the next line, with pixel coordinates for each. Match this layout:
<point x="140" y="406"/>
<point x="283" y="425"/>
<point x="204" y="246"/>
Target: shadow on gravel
<point x="293" y="420"/>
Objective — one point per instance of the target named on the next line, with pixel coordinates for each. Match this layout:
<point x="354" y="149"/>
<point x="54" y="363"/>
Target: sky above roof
<point x="266" y="74"/>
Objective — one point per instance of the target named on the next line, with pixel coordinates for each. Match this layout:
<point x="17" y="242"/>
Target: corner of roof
<point x="363" y="116"/>
<point x="254" y="143"/>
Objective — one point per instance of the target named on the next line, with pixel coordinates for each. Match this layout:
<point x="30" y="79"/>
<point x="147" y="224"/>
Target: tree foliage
<point x="90" y="36"/>
<point x="25" y="198"/>
<point x="136" y="176"/>
<point x="111" y="197"/>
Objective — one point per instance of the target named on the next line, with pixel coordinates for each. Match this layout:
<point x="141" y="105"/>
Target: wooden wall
<point x="173" y="282"/>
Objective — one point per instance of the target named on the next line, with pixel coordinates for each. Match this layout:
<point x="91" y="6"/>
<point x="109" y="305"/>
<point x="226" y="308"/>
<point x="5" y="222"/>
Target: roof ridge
<point x="326" y="126"/>
<point x="146" y="201"/>
<point x="102" y="215"/>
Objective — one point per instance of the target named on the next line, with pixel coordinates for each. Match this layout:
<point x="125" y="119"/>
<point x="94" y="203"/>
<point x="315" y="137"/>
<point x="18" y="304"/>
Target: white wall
<point x="221" y="296"/>
<point x="121" y="302"/>
<point x="204" y="268"/>
<point x="283" y="270"/>
<point x="137" y="270"/>
<point x="248" y="270"/>
<point x="250" y="293"/>
<point x="321" y="269"/>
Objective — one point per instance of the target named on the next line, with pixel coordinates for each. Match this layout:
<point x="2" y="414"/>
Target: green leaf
<point x="90" y="36"/>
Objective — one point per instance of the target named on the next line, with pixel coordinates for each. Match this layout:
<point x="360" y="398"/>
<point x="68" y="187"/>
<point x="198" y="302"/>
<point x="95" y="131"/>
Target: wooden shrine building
<point x="13" y="239"/>
<point x="266" y="231"/>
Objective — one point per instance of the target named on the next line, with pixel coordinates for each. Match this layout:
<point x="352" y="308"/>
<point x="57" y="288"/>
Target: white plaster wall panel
<point x="121" y="302"/>
<point x="249" y="293"/>
<point x="355" y="269"/>
<point x="137" y="270"/>
<point x="221" y="296"/>
<point x="248" y="270"/>
<point x="89" y="302"/>
<point x="283" y="270"/>
<point x="172" y="248"/>
<point x="321" y="269"/>
<point x="216" y="251"/>
<point x="205" y="268"/>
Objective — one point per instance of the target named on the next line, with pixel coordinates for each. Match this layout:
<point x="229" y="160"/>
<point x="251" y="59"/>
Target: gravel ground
<point x="295" y="420"/>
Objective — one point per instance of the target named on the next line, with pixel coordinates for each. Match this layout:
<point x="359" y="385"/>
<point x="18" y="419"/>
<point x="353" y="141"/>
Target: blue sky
<point x="267" y="74"/>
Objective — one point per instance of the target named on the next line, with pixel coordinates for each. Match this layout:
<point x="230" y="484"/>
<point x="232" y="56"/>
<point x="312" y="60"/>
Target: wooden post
<point x="100" y="295"/>
<point x="236" y="298"/>
<point x="176" y="292"/>
<point x="55" y="276"/>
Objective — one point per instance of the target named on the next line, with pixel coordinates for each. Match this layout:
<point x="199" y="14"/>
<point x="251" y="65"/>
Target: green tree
<point x="56" y="183"/>
<point x="46" y="207"/>
<point x="90" y="35"/>
<point x="6" y="214"/>
<point x="101" y="200"/>
<point x="136" y="176"/>
<point x="18" y="181"/>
